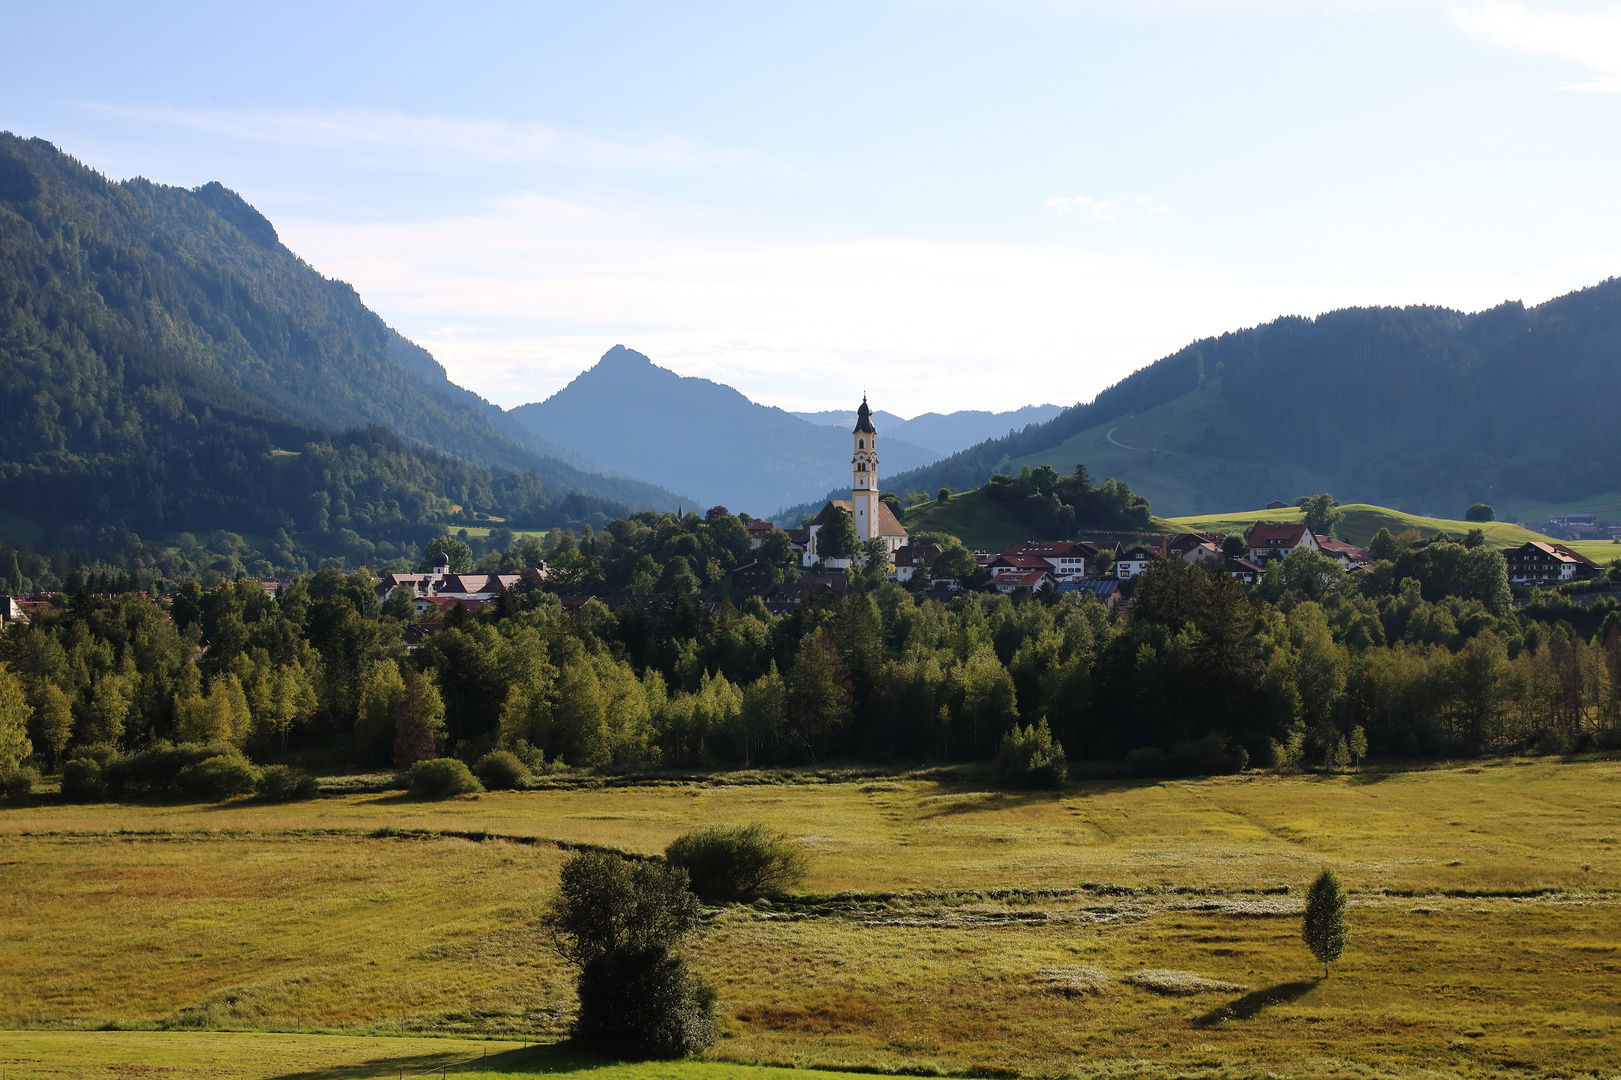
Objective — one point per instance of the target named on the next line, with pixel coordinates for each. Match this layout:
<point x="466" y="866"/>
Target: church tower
<point x="864" y="475"/>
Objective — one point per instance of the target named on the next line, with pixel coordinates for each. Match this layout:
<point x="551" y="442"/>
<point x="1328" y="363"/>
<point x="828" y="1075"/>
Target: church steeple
<point x="864" y="474"/>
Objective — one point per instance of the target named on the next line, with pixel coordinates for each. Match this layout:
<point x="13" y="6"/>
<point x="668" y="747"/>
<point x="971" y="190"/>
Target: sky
<point x="946" y="205"/>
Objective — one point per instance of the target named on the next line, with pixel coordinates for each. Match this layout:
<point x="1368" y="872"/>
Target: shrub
<point x="1029" y="756"/>
<point x="644" y="1003"/>
<point x="735" y="862"/>
<point x="17" y="782"/>
<point x="500" y="770"/>
<point x="619" y="922"/>
<point x="219" y="777"/>
<point x="1480" y="512"/>
<point x="283" y="783"/>
<point x="440" y="778"/>
<point x="155" y="769"/>
<point x="1146" y="761"/>
<point x="81" y="780"/>
<point x="1551" y="741"/>
<point x="1209" y="756"/>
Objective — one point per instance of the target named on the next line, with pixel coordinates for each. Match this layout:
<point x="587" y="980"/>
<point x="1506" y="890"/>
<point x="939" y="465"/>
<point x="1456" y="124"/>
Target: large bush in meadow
<point x="735" y="862"/>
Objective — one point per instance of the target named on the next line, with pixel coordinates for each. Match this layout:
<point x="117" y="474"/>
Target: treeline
<point x="1193" y="667"/>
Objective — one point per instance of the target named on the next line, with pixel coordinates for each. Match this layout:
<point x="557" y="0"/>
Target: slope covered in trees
<point x="1421" y="408"/>
<point x="166" y="364"/>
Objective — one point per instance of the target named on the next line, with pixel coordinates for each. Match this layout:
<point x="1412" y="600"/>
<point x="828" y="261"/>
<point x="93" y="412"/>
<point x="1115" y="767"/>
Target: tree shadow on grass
<point x="1252" y="1003"/>
<point x="537" y="1059"/>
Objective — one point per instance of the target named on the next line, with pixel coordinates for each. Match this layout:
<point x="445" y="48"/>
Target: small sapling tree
<point x="620" y="922"/>
<point x="1358" y="745"/>
<point x="1325" y="929"/>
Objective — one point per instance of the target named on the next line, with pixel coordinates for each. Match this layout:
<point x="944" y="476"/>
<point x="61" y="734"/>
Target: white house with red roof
<point x="1275" y="540"/>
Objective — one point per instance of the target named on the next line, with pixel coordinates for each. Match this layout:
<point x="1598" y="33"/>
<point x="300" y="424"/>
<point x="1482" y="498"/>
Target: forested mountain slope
<point x="699" y="436"/>
<point x="158" y="347"/>
<point x="1420" y="408"/>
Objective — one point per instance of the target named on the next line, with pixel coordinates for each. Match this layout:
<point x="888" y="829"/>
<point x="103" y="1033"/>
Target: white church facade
<point x="871" y="516"/>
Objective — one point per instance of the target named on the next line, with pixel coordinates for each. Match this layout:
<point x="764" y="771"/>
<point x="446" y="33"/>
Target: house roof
<point x="758" y="526"/>
<point x="916" y="554"/>
<point x="1332" y="546"/>
<point x="1107" y="587"/>
<point x="1138" y="554"/>
<point x="1050" y="549"/>
<point x="1243" y="566"/>
<point x="1021" y="577"/>
<point x="1021" y="562"/>
<point x="1557" y="552"/>
<point x="864" y="418"/>
<point x="1190" y="540"/>
<point x="1278" y="534"/>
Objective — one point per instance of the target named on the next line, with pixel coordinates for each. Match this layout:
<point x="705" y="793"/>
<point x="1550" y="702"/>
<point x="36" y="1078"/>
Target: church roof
<point x="864" y="418"/>
<point x="888" y="523"/>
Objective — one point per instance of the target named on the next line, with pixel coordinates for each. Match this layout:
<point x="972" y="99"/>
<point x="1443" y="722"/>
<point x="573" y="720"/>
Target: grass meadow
<point x="1112" y="929"/>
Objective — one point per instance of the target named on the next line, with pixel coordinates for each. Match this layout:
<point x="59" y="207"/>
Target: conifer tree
<point x="1325" y="929"/>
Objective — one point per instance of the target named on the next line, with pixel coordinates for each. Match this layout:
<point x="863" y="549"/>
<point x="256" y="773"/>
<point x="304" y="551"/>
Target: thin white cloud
<point x="428" y="140"/>
<point x="1106" y="209"/>
<point x="924" y="324"/>
<point x="1591" y="38"/>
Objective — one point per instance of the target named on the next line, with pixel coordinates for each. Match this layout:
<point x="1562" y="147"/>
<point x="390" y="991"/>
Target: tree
<point x="1322" y="513"/>
<point x="819" y="699"/>
<point x="461" y="556"/>
<point x="1234" y="546"/>
<point x="1325" y="928"/>
<point x="619" y="921"/>
<point x="53" y="721"/>
<point x="14" y="716"/>
<point x="401" y="604"/>
<point x="1341" y="756"/>
<point x="945" y="495"/>
<point x="875" y="562"/>
<point x="1480" y="512"/>
<point x="419" y="720"/>
<point x="1358" y="744"/>
<point x="837" y="538"/>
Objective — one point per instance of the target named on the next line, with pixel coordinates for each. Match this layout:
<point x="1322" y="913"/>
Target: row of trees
<point x="1285" y="673"/>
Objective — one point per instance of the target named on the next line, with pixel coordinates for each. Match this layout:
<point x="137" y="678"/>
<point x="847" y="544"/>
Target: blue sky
<point x="953" y="205"/>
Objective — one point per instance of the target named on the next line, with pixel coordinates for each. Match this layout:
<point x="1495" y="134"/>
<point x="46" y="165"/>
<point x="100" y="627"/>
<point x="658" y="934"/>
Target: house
<point x="839" y="583"/>
<point x="913" y="559"/>
<point x="1106" y="592"/>
<point x="758" y="531"/>
<point x="476" y="586"/>
<point x="1274" y="540"/>
<point x="1010" y="581"/>
<point x="1248" y="573"/>
<point x="785" y="597"/>
<point x="1182" y="543"/>
<point x="1203" y="552"/>
<point x="12" y="610"/>
<point x="1065" y="558"/>
<point x="1275" y="505"/>
<point x="1541" y="563"/>
<point x="1016" y="564"/>
<point x="749" y="578"/>
<point x="799" y="541"/>
<point x="1349" y="556"/>
<point x="1132" y="563"/>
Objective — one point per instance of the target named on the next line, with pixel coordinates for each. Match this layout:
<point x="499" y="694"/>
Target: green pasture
<point x="1361" y="522"/>
<point x="948" y="926"/>
<point x="981" y="523"/>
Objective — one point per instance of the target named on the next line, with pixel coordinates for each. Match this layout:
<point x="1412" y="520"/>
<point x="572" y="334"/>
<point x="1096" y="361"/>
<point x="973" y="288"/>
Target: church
<point x="871" y="516"/>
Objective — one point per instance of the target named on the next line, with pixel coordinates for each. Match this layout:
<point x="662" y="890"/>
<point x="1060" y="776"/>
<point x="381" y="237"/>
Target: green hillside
<point x="1361" y="522"/>
<point x="979" y="522"/>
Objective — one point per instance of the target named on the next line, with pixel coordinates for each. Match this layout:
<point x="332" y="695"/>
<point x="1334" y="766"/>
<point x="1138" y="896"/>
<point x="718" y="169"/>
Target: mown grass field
<point x="946" y="926"/>
<point x="1362" y="521"/>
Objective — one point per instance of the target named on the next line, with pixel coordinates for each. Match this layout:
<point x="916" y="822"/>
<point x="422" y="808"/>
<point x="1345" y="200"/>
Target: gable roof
<point x="1139" y="554"/>
<point x="1332" y="546"/>
<point x="1278" y="534"/>
<point x="888" y="523"/>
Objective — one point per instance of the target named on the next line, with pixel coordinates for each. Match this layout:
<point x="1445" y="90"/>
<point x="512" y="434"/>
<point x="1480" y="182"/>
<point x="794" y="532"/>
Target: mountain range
<point x="628" y="414"/>
<point x="943" y="433"/>
<point x="166" y="363"/>
<point x="1424" y="409"/>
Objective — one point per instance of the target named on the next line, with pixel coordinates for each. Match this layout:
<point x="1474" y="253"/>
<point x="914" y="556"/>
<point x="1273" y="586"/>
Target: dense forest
<point x="167" y="366"/>
<point x="1401" y="407"/>
<point x="1422" y="656"/>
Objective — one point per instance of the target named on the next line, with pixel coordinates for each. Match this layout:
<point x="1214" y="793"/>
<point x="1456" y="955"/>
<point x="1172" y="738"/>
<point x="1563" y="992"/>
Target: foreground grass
<point x="37" y="1055"/>
<point x="945" y="927"/>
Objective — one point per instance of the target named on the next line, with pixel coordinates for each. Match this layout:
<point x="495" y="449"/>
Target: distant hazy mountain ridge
<point x="946" y="433"/>
<point x="702" y="437"/>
